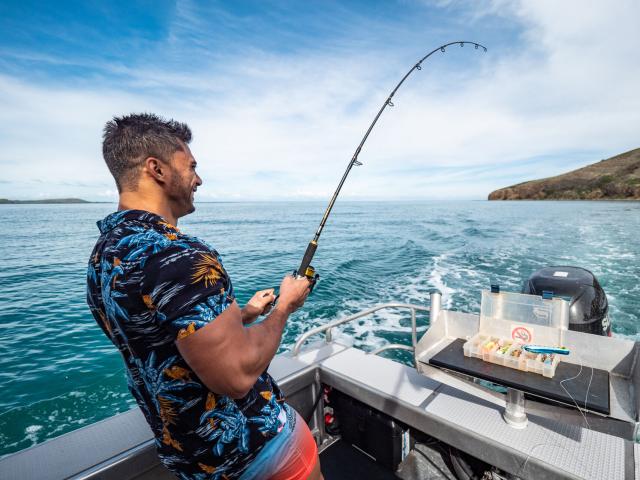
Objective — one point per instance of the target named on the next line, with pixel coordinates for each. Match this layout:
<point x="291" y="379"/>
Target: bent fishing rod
<point x="305" y="269"/>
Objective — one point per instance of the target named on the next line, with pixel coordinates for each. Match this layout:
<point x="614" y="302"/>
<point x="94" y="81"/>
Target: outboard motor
<point x="588" y="303"/>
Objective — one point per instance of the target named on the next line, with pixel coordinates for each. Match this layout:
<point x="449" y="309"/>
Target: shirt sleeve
<point x="187" y="287"/>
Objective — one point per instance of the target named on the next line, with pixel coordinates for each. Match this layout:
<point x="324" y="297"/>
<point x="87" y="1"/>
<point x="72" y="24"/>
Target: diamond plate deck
<point x="576" y="451"/>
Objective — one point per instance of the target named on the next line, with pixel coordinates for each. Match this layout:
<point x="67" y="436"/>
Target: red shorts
<point x="290" y="455"/>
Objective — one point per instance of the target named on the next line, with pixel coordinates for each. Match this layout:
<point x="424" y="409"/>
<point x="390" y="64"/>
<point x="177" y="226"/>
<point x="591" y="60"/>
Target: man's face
<point x="184" y="180"/>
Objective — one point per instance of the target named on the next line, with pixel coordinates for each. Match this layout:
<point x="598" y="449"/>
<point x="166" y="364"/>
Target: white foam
<point x="460" y="278"/>
<point x="370" y="332"/>
<point x="31" y="433"/>
<point x="437" y="281"/>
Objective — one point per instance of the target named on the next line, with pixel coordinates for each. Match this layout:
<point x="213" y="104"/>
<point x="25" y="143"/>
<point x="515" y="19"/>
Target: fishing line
<point x="586" y="397"/>
<point x="305" y="269"/>
<point x="533" y="449"/>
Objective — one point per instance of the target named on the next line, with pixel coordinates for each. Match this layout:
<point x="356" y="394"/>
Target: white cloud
<point x="568" y="89"/>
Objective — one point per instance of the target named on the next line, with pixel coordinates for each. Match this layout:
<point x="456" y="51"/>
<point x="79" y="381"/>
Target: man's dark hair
<point x="128" y="140"/>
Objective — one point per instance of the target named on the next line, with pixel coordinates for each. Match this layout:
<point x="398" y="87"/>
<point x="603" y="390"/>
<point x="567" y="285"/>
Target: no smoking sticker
<point x="521" y="334"/>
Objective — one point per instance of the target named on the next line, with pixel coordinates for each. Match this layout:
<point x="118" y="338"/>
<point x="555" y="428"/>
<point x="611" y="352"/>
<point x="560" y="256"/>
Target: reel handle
<point x="310" y="274"/>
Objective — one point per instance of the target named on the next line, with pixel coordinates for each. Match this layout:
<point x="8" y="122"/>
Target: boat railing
<point x="327" y="329"/>
<point x="392" y="346"/>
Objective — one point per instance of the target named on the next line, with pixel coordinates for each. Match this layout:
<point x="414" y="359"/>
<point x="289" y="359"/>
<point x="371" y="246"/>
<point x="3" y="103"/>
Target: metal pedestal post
<point x="514" y="414"/>
<point x="435" y="300"/>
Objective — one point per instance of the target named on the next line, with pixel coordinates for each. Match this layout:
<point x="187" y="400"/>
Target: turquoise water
<point x="58" y="372"/>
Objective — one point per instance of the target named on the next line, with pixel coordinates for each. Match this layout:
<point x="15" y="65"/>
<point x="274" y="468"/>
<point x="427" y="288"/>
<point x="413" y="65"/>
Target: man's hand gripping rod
<point x="305" y="269"/>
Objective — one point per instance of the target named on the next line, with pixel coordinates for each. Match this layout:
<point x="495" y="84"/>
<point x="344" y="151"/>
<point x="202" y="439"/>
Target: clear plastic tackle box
<point x="510" y="320"/>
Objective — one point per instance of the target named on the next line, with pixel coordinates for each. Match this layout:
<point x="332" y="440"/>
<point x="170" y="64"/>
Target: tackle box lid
<point x="524" y="318"/>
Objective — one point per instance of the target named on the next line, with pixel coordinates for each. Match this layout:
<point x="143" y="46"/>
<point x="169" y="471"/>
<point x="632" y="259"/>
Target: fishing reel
<point x="310" y="274"/>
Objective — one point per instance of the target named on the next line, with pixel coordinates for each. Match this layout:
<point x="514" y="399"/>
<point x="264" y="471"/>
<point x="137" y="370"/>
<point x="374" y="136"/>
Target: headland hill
<point x="616" y="178"/>
<point x="48" y="201"/>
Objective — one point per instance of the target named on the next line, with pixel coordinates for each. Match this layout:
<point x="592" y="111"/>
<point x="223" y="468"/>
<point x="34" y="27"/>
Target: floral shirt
<point x="149" y="284"/>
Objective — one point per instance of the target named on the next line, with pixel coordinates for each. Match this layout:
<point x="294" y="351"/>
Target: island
<point x="616" y="178"/>
<point x="5" y="201"/>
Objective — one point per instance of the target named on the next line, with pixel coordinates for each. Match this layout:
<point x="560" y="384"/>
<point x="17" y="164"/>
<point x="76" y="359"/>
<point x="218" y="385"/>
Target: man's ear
<point x="156" y="168"/>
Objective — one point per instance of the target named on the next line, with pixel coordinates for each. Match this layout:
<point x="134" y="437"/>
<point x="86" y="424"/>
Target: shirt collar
<point x="113" y="220"/>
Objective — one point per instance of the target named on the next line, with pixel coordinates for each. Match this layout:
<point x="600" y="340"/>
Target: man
<point x="195" y="365"/>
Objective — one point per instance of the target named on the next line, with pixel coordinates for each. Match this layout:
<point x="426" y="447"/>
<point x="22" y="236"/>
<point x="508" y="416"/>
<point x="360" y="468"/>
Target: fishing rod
<point x="305" y="269"/>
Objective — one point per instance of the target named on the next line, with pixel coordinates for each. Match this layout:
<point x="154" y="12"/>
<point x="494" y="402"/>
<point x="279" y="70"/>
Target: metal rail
<point x="392" y="346"/>
<point x="329" y="326"/>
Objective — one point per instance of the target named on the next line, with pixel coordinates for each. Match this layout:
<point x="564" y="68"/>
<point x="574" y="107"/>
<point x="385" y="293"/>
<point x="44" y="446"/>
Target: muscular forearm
<point x="249" y="314"/>
<point x="263" y="341"/>
<point x="229" y="356"/>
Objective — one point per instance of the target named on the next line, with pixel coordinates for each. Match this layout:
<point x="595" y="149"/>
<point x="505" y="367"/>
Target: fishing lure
<point x="545" y="349"/>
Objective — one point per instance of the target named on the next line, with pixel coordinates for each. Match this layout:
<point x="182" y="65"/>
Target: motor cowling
<point x="589" y="308"/>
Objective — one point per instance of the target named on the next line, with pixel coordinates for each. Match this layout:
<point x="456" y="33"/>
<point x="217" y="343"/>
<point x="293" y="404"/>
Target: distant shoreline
<point x="48" y="201"/>
<point x="62" y="201"/>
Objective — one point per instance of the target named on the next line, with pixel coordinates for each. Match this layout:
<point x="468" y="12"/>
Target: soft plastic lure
<point x="545" y="349"/>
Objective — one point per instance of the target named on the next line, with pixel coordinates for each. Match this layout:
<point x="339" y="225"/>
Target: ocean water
<point x="59" y="372"/>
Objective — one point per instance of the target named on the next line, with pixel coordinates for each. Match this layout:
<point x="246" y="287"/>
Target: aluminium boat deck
<point x="556" y="444"/>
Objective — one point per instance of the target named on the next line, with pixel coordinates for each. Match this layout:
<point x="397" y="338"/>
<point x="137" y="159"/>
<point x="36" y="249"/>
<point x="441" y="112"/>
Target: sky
<point x="278" y="94"/>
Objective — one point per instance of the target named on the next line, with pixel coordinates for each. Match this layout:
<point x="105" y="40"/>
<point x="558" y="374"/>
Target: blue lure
<point x="544" y="349"/>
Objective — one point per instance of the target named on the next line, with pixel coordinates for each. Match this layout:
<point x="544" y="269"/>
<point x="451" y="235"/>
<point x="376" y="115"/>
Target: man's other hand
<point x="293" y="292"/>
<point x="259" y="304"/>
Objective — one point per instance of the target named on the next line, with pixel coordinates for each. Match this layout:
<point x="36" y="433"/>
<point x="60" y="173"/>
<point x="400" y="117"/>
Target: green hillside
<point x="616" y="178"/>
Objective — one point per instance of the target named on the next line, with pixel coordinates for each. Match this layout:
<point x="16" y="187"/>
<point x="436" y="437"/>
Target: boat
<point x="374" y="417"/>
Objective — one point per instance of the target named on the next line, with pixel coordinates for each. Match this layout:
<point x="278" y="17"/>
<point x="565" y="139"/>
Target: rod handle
<point x="308" y="256"/>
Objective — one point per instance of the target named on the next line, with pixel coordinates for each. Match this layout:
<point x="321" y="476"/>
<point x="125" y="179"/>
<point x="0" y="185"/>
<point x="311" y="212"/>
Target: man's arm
<point x="227" y="356"/>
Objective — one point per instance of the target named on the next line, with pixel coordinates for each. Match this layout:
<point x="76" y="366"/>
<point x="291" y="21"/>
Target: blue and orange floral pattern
<point x="149" y="284"/>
